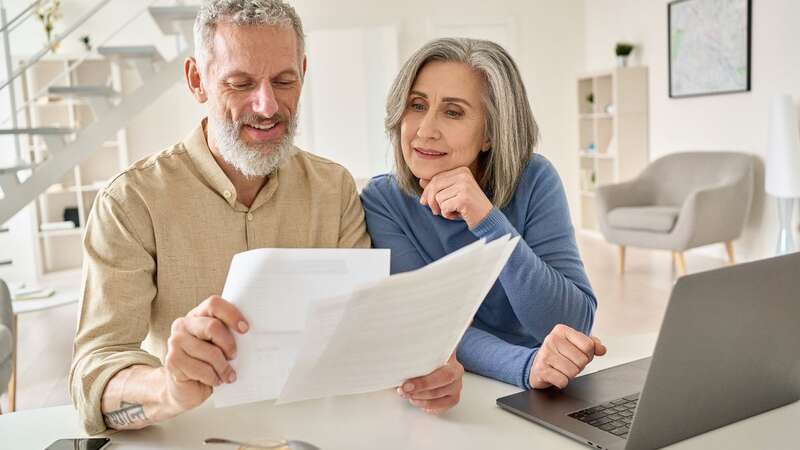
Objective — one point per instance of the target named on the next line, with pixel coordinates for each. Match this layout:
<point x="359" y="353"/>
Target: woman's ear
<point x="487" y="145"/>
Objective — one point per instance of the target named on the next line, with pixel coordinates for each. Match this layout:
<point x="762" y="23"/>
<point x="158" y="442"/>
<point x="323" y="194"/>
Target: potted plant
<point x="49" y="13"/>
<point x="622" y="50"/>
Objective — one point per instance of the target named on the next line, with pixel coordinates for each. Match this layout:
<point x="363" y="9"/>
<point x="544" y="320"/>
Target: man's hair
<point x="510" y="127"/>
<point x="243" y="12"/>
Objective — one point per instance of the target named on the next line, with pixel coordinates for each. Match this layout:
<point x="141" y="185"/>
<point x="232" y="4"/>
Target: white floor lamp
<point x="782" y="178"/>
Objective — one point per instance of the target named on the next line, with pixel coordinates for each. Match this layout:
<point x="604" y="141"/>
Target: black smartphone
<point x="79" y="444"/>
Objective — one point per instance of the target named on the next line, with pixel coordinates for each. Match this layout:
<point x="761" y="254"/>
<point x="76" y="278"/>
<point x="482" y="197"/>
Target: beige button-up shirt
<point x="159" y="241"/>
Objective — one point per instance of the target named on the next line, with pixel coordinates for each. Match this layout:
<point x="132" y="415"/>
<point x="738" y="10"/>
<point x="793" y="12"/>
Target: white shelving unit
<point x="613" y="132"/>
<point x="57" y="247"/>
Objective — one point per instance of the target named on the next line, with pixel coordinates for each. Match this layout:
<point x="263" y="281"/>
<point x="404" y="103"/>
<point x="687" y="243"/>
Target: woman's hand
<point x="456" y="195"/>
<point x="436" y="392"/>
<point x="563" y="355"/>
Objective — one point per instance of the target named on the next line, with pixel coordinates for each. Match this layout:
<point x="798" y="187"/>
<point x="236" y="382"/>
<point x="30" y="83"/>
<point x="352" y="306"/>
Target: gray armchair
<point x="679" y="202"/>
<point x="6" y="336"/>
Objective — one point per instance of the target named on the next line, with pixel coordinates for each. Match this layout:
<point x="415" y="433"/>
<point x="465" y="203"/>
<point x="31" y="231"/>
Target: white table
<point x="383" y="421"/>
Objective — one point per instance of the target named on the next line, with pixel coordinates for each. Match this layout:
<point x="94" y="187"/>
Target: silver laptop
<point x="727" y="350"/>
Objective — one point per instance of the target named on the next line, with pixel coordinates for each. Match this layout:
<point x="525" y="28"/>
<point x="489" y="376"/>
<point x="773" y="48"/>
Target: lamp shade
<point x="782" y="177"/>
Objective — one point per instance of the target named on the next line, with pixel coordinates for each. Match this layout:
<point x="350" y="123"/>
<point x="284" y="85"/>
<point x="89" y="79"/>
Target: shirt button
<point x="250" y="217"/>
<point x="226" y="194"/>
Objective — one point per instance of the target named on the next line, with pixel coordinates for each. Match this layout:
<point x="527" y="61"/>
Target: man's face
<point x="252" y="80"/>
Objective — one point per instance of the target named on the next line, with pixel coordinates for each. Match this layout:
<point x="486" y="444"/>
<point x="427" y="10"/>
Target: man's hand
<point x="456" y="195"/>
<point x="563" y="355"/>
<point x="436" y="392"/>
<point x="198" y="351"/>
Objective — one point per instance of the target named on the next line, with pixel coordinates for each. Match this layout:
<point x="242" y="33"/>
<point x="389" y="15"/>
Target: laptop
<point x="727" y="350"/>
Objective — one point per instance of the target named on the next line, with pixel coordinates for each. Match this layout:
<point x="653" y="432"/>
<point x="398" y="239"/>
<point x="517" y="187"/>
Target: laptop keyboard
<point x="614" y="417"/>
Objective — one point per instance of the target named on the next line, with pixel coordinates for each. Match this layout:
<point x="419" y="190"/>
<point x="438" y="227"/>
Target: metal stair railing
<point x="62" y="155"/>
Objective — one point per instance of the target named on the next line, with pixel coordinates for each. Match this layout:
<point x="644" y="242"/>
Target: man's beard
<point x="253" y="160"/>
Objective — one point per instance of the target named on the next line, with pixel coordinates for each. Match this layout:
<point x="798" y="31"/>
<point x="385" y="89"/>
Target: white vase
<point x="622" y="61"/>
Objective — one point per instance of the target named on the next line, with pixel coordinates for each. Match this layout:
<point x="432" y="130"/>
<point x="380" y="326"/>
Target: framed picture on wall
<point x="709" y="47"/>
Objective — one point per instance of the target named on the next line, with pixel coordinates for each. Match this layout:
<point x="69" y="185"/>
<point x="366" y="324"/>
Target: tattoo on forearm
<point x="128" y="413"/>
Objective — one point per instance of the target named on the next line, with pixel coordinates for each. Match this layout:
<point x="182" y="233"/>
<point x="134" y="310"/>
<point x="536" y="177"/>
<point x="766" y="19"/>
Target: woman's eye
<point x="417" y="107"/>
<point x="454" y="114"/>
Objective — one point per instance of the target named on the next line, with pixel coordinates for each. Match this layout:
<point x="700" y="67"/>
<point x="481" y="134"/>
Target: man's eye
<point x="285" y="82"/>
<point x="239" y="86"/>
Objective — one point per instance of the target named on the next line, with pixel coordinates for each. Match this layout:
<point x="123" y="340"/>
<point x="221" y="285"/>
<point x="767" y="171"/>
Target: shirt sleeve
<point x="544" y="278"/>
<point x="352" y="228"/>
<point x="113" y="317"/>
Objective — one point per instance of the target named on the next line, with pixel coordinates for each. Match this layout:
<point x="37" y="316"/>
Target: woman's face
<point x="443" y="127"/>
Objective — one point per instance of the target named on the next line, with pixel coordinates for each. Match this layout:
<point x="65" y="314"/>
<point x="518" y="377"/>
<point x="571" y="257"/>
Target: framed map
<point x="709" y="47"/>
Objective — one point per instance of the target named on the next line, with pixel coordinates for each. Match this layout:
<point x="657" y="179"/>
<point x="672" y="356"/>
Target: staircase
<point x="23" y="181"/>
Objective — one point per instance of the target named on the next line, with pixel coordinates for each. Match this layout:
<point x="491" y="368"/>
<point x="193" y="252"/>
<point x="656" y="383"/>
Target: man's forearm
<point x="136" y="397"/>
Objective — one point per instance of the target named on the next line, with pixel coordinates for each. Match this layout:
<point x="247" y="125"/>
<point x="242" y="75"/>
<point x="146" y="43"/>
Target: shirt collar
<point x="200" y="153"/>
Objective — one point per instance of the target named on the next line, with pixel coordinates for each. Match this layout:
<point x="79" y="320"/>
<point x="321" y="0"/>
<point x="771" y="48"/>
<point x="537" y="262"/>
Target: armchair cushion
<point x="6" y="336"/>
<point x="659" y="219"/>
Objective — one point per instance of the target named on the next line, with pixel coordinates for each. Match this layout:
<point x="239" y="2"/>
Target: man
<point x="162" y="234"/>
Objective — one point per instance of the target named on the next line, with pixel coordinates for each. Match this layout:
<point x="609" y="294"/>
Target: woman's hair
<point x="510" y="127"/>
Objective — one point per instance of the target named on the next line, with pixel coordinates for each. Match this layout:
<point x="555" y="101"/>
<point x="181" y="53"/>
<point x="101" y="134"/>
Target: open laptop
<point x="727" y="350"/>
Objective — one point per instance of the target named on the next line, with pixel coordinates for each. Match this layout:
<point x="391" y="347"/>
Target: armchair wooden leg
<point x="12" y="383"/>
<point x="621" y="259"/>
<point x="729" y="249"/>
<point x="680" y="261"/>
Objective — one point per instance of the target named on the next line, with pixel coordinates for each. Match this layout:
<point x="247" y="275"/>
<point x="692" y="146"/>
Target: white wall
<point x="721" y="122"/>
<point x="547" y="42"/>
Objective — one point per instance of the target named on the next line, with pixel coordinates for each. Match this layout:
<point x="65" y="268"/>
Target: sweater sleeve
<point x="544" y="278"/>
<point x="483" y="353"/>
<point x="387" y="233"/>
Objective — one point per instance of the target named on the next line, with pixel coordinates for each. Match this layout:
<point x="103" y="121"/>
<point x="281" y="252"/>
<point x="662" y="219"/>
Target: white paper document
<point x="401" y="327"/>
<point x="326" y="323"/>
<point x="274" y="288"/>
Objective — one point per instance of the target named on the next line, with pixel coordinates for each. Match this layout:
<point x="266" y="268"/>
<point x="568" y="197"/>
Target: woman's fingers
<point x="438" y="405"/>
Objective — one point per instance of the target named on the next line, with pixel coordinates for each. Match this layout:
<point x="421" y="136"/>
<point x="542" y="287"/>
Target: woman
<point x="463" y="135"/>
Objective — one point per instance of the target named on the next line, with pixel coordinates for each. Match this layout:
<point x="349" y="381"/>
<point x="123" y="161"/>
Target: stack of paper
<point x="374" y="335"/>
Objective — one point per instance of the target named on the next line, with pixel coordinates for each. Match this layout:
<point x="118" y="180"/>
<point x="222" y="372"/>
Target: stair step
<point x="167" y="17"/>
<point x="39" y="131"/>
<point x="82" y="91"/>
<point x="138" y="51"/>
<point x="15" y="169"/>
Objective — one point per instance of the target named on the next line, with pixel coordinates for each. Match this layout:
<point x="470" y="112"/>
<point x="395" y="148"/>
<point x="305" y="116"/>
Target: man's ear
<point x="305" y="65"/>
<point x="193" y="81"/>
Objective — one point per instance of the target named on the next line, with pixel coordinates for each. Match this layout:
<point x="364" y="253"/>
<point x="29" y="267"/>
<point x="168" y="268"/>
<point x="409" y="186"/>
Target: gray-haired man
<point x="162" y="234"/>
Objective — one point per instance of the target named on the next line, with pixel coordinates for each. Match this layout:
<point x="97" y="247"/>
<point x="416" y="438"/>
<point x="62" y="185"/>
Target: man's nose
<point x="264" y="101"/>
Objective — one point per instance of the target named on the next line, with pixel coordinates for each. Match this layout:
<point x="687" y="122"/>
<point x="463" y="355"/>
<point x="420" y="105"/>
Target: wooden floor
<point x="629" y="304"/>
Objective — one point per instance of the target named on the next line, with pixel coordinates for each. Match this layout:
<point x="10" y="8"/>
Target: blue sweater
<point x="543" y="283"/>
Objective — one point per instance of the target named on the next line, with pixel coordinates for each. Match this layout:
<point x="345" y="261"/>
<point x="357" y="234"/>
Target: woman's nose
<point x="428" y="127"/>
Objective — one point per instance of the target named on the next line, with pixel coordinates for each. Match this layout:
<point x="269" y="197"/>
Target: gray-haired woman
<point x="464" y="138"/>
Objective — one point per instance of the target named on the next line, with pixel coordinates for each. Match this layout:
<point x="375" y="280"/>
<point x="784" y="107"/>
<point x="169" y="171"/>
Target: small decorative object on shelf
<point x="590" y="98"/>
<point x="49" y="12"/>
<point x="609" y="108"/>
<point x="87" y="42"/>
<point x="623" y="50"/>
<point x="71" y="215"/>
